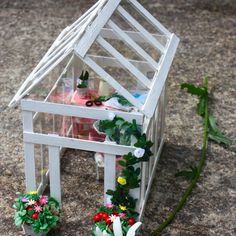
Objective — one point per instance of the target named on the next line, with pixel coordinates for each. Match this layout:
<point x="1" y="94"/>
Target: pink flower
<point x="109" y="205"/>
<point x="38" y="208"/>
<point x="43" y="200"/>
<point x="122" y="215"/>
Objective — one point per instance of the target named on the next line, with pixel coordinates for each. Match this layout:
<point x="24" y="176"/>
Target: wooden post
<point x="54" y="172"/>
<point x="109" y="174"/>
<point x="29" y="153"/>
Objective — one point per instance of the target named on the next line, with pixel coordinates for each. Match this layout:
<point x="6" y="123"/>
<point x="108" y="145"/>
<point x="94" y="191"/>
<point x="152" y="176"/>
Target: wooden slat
<point x="110" y="80"/>
<point x="134" y="45"/>
<point x="54" y="172"/>
<point x="109" y="174"/>
<point x="113" y="62"/>
<point x="78" y="111"/>
<point x="123" y="61"/>
<point x="93" y="31"/>
<point x="150" y="18"/>
<point x="160" y="77"/>
<point x="136" y="36"/>
<point x="140" y="28"/>
<point x="55" y="140"/>
<point x="30" y="179"/>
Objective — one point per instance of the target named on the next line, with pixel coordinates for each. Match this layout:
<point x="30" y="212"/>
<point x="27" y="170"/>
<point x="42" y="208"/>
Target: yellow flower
<point x="121" y="181"/>
<point x="32" y="192"/>
<point x="123" y="208"/>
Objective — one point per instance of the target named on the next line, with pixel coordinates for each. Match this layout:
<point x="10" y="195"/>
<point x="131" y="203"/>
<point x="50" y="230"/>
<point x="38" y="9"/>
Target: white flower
<point x="111" y="116"/>
<point x="112" y="218"/>
<point x="31" y="202"/>
<point x="139" y="152"/>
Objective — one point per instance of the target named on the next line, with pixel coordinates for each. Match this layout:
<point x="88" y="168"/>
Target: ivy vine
<point x="127" y="133"/>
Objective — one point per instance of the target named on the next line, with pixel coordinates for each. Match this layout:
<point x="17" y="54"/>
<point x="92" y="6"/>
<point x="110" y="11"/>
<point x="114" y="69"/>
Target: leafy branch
<point x="210" y="131"/>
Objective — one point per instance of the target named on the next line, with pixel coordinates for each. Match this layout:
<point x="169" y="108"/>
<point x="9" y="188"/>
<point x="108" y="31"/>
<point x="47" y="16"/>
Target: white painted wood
<point x="150" y="18"/>
<point x="146" y="194"/>
<point x="55" y="140"/>
<point x="143" y="66"/>
<point x="141" y="52"/>
<point x="93" y="31"/>
<point x="143" y="181"/>
<point x="109" y="174"/>
<point x="54" y="172"/>
<point x="123" y="61"/>
<point x="78" y="111"/>
<point x="140" y="28"/>
<point x="136" y="36"/>
<point x="163" y="114"/>
<point x="110" y="80"/>
<point x="160" y="78"/>
<point x="29" y="153"/>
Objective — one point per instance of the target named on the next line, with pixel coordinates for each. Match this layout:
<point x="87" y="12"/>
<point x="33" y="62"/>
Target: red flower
<point x="35" y="216"/>
<point x="96" y="218"/>
<point x="131" y="221"/>
<point x="105" y="216"/>
<point x="108" y="221"/>
<point x="29" y="208"/>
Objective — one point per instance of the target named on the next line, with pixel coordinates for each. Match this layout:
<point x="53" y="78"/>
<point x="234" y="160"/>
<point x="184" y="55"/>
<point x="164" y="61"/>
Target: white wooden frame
<point x="77" y="40"/>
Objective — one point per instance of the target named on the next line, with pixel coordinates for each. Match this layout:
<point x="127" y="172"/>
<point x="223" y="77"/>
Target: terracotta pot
<point x="30" y="232"/>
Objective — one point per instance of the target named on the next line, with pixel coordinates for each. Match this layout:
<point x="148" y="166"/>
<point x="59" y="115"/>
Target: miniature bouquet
<point x="111" y="220"/>
<point x="36" y="214"/>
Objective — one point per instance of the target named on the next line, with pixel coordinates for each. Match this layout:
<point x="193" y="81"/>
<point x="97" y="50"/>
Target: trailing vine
<point x="122" y="203"/>
<point x="127" y="133"/>
<point x="211" y="131"/>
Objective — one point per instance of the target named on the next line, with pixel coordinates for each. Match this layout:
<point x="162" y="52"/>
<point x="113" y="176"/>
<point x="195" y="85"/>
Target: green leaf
<point x="188" y="174"/>
<point x="192" y="89"/>
<point x="212" y="122"/>
<point x="215" y="134"/>
<point x="201" y="106"/>
<point x="18" y="221"/>
<point x="122" y="163"/>
<point x="219" y="137"/>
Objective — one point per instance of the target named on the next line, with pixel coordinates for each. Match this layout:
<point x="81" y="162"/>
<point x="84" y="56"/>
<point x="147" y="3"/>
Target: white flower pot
<point x="30" y="232"/>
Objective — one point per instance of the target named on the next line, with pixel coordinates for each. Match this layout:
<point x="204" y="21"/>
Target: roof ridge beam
<point x="93" y="31"/>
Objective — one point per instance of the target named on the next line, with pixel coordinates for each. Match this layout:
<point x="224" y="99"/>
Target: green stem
<point x="188" y="191"/>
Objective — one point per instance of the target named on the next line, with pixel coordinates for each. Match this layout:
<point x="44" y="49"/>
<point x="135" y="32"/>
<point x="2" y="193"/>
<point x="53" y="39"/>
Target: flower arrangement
<point x="39" y="212"/>
<point x="114" y="220"/>
<point x="123" y="204"/>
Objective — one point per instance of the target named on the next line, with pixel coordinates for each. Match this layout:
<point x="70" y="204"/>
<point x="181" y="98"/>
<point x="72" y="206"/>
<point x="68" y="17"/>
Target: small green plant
<point x="40" y="212"/>
<point x="83" y="80"/>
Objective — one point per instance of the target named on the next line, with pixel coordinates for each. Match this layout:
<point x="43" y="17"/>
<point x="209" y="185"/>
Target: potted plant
<point x="35" y="213"/>
<point x="111" y="220"/>
<point x="83" y="84"/>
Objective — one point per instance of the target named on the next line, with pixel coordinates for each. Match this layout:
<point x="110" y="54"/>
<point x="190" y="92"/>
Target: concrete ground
<point x="207" y="30"/>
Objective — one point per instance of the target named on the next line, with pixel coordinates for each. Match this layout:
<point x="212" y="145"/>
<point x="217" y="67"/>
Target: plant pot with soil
<point x="35" y="213"/>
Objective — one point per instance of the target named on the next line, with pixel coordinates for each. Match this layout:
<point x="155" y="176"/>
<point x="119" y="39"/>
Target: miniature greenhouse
<point x="104" y="65"/>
